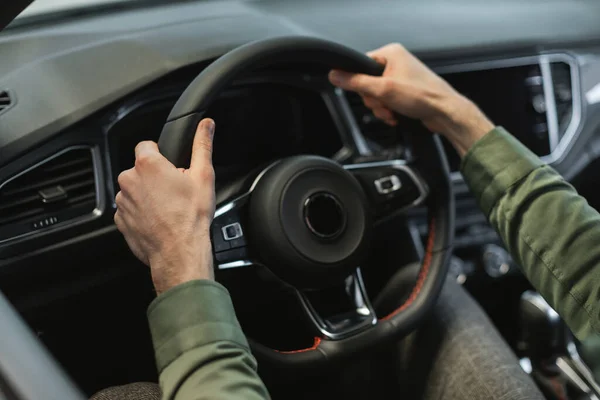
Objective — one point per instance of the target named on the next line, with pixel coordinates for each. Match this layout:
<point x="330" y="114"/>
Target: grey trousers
<point x="457" y="354"/>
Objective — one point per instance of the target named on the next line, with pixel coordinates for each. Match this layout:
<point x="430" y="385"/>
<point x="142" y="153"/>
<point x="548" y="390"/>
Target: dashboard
<point x="79" y="94"/>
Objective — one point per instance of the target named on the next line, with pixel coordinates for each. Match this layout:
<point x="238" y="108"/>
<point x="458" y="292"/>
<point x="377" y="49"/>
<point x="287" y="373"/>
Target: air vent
<point x="5" y="101"/>
<point x="58" y="190"/>
<point x="563" y="95"/>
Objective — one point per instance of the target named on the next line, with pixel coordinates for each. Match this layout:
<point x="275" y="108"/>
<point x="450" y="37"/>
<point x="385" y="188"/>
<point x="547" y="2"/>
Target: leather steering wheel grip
<point x="175" y="144"/>
<point x="177" y="135"/>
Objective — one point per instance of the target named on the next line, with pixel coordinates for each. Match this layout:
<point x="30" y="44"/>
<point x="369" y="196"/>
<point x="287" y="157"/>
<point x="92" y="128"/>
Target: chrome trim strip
<point x="574" y="127"/>
<point x="226" y="208"/>
<point x="399" y="165"/>
<point x="262" y="173"/>
<point x="235" y="264"/>
<point x="582" y="368"/>
<point x="363" y="308"/>
<point x="551" y="116"/>
<point x="378" y="164"/>
<point x="100" y="201"/>
<point x="241" y="199"/>
<point x="540" y="303"/>
<point x="573" y="377"/>
<point x="592" y="96"/>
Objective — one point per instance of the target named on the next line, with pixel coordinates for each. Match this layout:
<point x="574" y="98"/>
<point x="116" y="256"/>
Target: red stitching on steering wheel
<point x="314" y="347"/>
<point x="416" y="290"/>
<point x="422" y="274"/>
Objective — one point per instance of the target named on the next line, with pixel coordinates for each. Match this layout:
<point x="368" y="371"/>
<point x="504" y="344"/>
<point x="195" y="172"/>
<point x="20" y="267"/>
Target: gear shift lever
<point x="548" y="344"/>
<point x="542" y="330"/>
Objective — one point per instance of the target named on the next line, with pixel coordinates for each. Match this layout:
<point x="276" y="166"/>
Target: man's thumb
<point x="203" y="145"/>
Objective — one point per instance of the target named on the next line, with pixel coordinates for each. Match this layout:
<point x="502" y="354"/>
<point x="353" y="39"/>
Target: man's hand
<point x="409" y="88"/>
<point x="165" y="213"/>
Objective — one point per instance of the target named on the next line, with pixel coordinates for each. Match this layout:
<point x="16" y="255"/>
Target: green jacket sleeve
<point x="547" y="227"/>
<point x="201" y="351"/>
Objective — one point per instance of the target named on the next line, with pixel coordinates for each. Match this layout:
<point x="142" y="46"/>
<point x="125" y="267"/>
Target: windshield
<point x="40" y="11"/>
<point x="49" y="6"/>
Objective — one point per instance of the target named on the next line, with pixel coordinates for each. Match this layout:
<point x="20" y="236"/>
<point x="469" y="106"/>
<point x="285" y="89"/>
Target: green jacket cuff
<point x="495" y="163"/>
<point x="191" y="315"/>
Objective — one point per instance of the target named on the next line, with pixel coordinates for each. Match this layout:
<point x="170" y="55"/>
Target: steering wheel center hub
<point x="324" y="215"/>
<point x="312" y="220"/>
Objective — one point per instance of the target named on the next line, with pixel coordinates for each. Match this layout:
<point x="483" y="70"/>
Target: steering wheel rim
<point x="175" y="144"/>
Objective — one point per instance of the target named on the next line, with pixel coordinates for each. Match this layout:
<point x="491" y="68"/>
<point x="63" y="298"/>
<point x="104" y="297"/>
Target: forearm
<point x="547" y="227"/>
<point x="200" y="349"/>
<point x="461" y="122"/>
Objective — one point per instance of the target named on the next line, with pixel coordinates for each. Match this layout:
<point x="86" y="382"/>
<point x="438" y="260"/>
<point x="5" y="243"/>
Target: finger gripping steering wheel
<point x="309" y="219"/>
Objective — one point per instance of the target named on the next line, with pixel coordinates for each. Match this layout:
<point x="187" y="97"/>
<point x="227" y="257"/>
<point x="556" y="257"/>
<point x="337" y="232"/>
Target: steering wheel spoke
<point x="228" y="234"/>
<point x="359" y="314"/>
<point x="391" y="186"/>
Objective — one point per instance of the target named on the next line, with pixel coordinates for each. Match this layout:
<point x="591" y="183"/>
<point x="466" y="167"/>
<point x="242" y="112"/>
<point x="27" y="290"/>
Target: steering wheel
<point x="309" y="220"/>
